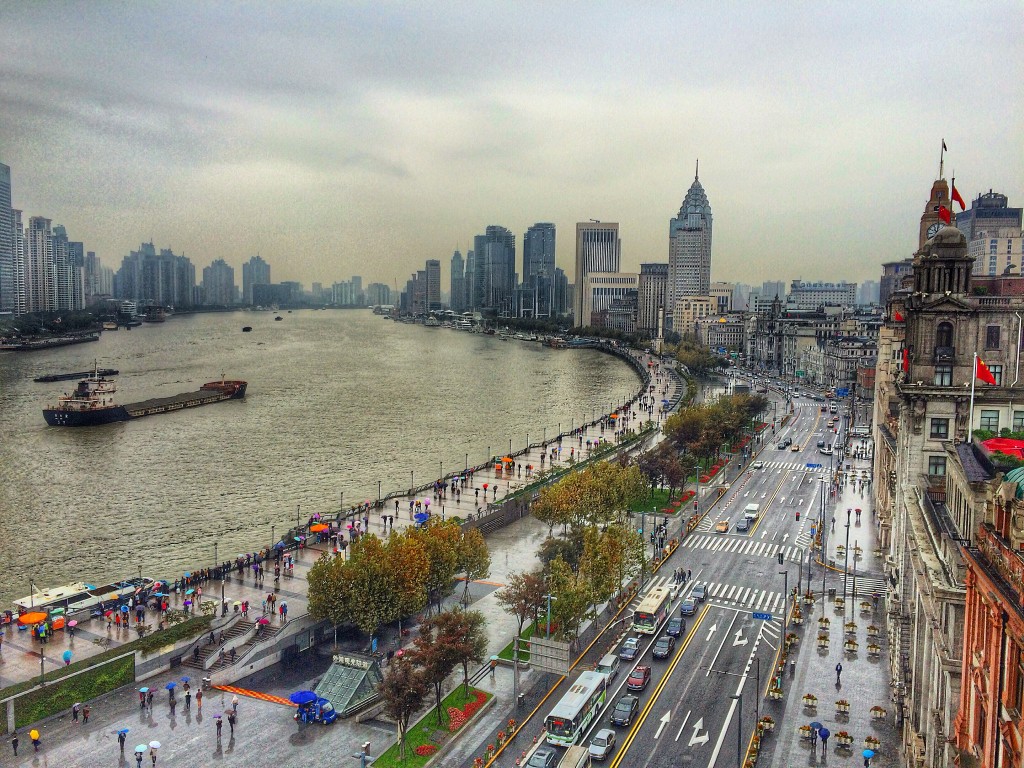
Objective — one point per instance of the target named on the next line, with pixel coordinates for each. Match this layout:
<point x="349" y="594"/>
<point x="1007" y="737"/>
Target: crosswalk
<point x="750" y="598"/>
<point x="743" y="546"/>
<point x="791" y="465"/>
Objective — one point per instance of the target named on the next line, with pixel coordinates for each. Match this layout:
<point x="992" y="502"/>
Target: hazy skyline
<point x="341" y="139"/>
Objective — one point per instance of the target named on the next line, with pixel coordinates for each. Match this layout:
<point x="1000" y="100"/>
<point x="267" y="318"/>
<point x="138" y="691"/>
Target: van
<point x="751" y="511"/>
<point x="833" y="408"/>
<point x="861" y="431"/>
<point x="609" y="666"/>
<point x="575" y="757"/>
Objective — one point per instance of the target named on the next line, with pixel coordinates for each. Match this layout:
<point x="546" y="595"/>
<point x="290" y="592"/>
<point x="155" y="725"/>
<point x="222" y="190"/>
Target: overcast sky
<point x="341" y="138"/>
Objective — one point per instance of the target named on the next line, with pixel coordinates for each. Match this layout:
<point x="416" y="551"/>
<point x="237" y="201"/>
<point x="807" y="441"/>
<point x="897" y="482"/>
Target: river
<point x="337" y="401"/>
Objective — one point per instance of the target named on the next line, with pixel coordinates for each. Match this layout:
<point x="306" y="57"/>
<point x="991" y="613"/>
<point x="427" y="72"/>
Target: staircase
<point x="268" y="631"/>
<point x="206" y="650"/>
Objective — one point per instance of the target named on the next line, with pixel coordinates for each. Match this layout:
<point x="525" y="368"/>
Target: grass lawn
<point x="427" y="732"/>
<point x="658" y="500"/>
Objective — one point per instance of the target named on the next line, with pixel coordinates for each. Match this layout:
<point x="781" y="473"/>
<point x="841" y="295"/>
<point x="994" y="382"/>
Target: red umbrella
<point x="263" y="620"/>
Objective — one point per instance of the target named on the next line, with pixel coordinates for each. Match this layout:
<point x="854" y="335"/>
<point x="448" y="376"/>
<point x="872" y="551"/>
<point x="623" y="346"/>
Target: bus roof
<point x="654" y="600"/>
<point x="579" y="693"/>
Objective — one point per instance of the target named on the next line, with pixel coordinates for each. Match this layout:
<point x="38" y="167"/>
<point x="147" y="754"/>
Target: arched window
<point x="944" y="335"/>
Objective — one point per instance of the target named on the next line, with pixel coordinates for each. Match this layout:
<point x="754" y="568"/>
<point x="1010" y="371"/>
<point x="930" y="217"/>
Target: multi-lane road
<point x="690" y="713"/>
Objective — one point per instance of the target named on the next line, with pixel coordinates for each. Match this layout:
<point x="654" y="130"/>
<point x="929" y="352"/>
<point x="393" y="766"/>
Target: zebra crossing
<point x="743" y="546"/>
<point x="749" y="598"/>
<point x="788" y="465"/>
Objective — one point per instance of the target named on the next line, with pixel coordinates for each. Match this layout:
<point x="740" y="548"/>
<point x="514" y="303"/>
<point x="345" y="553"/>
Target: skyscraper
<point x="457" y="297"/>
<point x="7" y="292"/>
<point x="219" y="284"/>
<point x="689" y="247"/>
<point x="539" y="265"/>
<point x="254" y="272"/>
<point x="494" y="272"/>
<point x="433" y="285"/>
<point x="993" y="232"/>
<point x="40" y="281"/>
<point x="651" y="297"/>
<point x="598" y="249"/>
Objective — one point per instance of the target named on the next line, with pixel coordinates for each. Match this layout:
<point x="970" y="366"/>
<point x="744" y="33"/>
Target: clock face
<point x="933" y="229"/>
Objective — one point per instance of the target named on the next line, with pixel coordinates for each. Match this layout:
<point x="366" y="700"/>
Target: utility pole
<point x="739" y="729"/>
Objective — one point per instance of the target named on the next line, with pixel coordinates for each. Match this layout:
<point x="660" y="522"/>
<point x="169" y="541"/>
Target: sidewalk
<point x="864" y="682"/>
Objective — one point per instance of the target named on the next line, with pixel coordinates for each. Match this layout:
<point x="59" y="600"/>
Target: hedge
<point x="51" y="699"/>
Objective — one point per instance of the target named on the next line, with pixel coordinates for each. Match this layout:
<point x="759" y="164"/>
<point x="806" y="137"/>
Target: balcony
<point x="944" y="354"/>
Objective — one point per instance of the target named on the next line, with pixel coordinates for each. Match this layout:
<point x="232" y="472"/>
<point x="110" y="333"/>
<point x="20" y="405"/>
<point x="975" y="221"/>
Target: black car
<point x="663" y="647"/>
<point x="626" y="708"/>
<point x="544" y="757"/>
<point x="676" y="627"/>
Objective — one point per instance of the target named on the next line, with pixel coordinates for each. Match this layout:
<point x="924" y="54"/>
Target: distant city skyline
<point x="326" y="157"/>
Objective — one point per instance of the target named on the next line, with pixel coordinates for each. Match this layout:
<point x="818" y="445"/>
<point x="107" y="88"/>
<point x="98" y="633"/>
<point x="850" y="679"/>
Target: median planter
<point x="844" y="739"/>
<point x="766" y="724"/>
<point x="810" y="700"/>
<point x="775" y="693"/>
<point x="824" y="622"/>
<point x="842" y="707"/>
<point x="865" y="606"/>
<point x="872" y="742"/>
<point x="823" y="641"/>
<point x="850" y="627"/>
<point x="874" y="649"/>
<point x="878" y="713"/>
<point x="872" y="630"/>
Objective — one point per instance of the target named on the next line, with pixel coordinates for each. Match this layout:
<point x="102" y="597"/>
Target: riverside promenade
<point x="190" y="739"/>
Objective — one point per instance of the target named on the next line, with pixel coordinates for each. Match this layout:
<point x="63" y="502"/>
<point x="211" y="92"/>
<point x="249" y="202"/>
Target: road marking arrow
<point x="662" y="723"/>
<point x="740" y="639"/>
<point x="697" y="739"/>
<point x="784" y="537"/>
<point x="712" y="631"/>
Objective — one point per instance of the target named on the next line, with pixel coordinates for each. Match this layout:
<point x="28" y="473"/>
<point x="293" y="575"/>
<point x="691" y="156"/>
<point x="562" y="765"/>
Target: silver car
<point x="602" y="744"/>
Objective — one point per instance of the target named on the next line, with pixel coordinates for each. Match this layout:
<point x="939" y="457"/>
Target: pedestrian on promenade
<point x="35" y="740"/>
<point x="152" y="756"/>
<point x="688" y="574"/>
<point x="824" y="742"/>
<point x="14" y="743"/>
<point x="220" y="725"/>
<point x="149" y="700"/>
<point x="188" y="699"/>
<point x="234" y="704"/>
<point x="74" y="711"/>
<point x="121" y="736"/>
<point x="199" y="700"/>
<point x="174" y="703"/>
<point x="138" y="759"/>
<point x="85" y="714"/>
<point x="839" y="674"/>
<point x="231" y="722"/>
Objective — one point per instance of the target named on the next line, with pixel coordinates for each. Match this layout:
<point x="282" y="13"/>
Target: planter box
<point x="844" y="741"/>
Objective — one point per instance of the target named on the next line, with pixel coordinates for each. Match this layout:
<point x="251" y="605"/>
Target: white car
<point x="757" y="465"/>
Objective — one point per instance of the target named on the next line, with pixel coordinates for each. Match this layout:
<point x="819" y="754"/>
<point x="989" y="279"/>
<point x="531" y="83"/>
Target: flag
<point x="957" y="199"/>
<point x="897" y="316"/>
<point x="982" y="372"/>
<point x="906" y="360"/>
<point x="944" y="214"/>
<point x="943" y="146"/>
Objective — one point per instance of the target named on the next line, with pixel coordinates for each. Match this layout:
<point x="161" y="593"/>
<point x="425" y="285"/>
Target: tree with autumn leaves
<point x="592" y="496"/>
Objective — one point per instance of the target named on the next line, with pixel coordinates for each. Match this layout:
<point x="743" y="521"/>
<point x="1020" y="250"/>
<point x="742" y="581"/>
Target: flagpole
<point x="974" y="377"/>
<point x="941" y="158"/>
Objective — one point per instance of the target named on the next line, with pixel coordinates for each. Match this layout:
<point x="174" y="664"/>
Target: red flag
<point x="957" y="199"/>
<point x="897" y="316"/>
<point x="982" y="372"/>
<point x="944" y="214"/>
<point x="906" y="360"/>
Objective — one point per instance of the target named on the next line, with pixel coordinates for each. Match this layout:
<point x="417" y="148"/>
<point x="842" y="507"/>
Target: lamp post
<point x="297" y="508"/>
<point x="549" y="597"/>
<point x="643" y="550"/>
<point x="785" y="598"/>
<point x="846" y="557"/>
<point x="467" y="462"/>
<point x="739" y="729"/>
<point x="378" y="493"/>
<point x="440" y="469"/>
<point x="272" y="537"/>
<point x="412" y="480"/>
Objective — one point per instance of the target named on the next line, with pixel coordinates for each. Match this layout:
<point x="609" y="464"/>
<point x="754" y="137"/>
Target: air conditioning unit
<point x="919" y="751"/>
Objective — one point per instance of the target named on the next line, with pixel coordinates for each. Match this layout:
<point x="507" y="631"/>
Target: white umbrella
<point x="154" y="745"/>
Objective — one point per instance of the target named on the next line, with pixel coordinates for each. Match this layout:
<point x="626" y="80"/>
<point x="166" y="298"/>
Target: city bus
<point x="576" y="710"/>
<point x="652" y="612"/>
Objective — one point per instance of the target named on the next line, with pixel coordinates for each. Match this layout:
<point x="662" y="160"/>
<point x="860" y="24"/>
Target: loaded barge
<point x="92" y="403"/>
<point x="76" y="375"/>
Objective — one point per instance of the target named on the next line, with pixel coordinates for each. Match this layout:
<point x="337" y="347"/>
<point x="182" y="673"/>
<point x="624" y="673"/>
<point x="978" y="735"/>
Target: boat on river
<point x="80" y="596"/>
<point x="75" y="375"/>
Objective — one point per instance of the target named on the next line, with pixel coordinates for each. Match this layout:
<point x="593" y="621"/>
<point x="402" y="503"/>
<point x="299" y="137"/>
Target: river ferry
<point x="80" y="596"/>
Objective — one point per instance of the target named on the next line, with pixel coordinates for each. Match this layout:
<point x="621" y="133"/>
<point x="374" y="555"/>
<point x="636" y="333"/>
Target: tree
<point x="328" y="601"/>
<point x="435" y="658"/>
<point x="572" y="598"/>
<point x="463" y="633"/>
<point x="522" y="596"/>
<point x="474" y="559"/>
<point x="440" y="541"/>
<point x="404" y="691"/>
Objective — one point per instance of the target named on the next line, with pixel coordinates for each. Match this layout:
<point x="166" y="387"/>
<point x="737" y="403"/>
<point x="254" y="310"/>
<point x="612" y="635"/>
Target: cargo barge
<point x="92" y="402"/>
<point x="34" y="345"/>
<point x="76" y="375"/>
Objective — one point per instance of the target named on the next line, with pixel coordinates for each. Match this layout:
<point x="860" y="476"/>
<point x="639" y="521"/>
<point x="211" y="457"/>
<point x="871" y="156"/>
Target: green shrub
<point x="61" y="695"/>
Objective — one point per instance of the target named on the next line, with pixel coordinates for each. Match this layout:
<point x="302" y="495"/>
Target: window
<point x="989" y="420"/>
<point x="944" y="335"/>
<point x="997" y="374"/>
<point x="943" y="375"/>
<point x="937" y="465"/>
<point x="992" y="337"/>
<point x="940" y="429"/>
<point x="1018" y="421"/>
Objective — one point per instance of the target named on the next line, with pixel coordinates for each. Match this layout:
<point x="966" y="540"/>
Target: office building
<point x="162" y="279"/>
<point x="432" y="273"/>
<point x="598" y="249"/>
<point x="539" y="265"/>
<point x="378" y="295"/>
<point x="812" y="296"/>
<point x="893" y="275"/>
<point x="219" y="284"/>
<point x="600" y="289"/>
<point x="689" y="247"/>
<point x="651" y="287"/>
<point x="993" y="232"/>
<point x="254" y="272"/>
<point x="722" y="294"/>
<point x="457" y="297"/>
<point x="8" y="301"/>
<point x="494" y="265"/>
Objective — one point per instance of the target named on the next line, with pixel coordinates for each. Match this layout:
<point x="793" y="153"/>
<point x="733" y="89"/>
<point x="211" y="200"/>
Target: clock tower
<point x="930" y="221"/>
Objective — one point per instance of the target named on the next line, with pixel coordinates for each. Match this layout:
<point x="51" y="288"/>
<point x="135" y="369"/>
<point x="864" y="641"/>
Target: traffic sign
<point x="813" y="466"/>
<point x="763" y="616"/>
<point x="842" y="391"/>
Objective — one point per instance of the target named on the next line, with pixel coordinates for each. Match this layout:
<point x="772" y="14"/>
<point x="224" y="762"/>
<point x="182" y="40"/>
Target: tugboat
<point x="246" y="329"/>
<point x="92" y="402"/>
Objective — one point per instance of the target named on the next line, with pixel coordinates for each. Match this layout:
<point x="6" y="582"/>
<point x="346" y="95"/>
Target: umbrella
<point x="34" y="617"/>
<point x="185" y="679"/>
<point x="318" y="528"/>
<point x="66" y="656"/>
<point x="279" y="545"/>
<point x="188" y="602"/>
<point x="187" y="574"/>
<point x="33" y="734"/>
<point x="141" y="748"/>
<point x="237" y="602"/>
<point x="426" y="502"/>
<point x="824" y="733"/>
<point x="144" y="689"/>
<point x="300" y="538"/>
<point x="190" y="591"/>
<point x="302" y="697"/>
<point x="73" y="623"/>
<point x="154" y="745"/>
<point x="112" y="596"/>
<point x="123" y="730"/>
<point x="124" y="609"/>
<point x="171" y="685"/>
<point x="868" y="753"/>
<point x="108" y="612"/>
<point x="263" y="620"/>
<point x="816" y="725"/>
<point x="218" y="715"/>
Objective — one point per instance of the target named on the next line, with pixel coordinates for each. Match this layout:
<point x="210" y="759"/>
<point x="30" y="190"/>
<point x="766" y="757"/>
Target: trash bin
<point x="521" y="699"/>
<point x="832" y="593"/>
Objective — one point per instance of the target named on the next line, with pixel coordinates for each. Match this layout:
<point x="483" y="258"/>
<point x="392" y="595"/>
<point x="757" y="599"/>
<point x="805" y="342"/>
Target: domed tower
<point x="943" y="264"/>
<point x="689" y="246"/>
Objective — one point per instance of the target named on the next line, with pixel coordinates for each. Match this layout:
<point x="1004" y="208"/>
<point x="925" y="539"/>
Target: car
<point x="630" y="649"/>
<point x="789" y="441"/>
<point x="544" y="757"/>
<point x="722" y="526"/>
<point x="626" y="709"/>
<point x="742" y="526"/>
<point x="675" y="627"/>
<point x="602" y="744"/>
<point x="638" y="678"/>
<point x="821" y="443"/>
<point x="757" y="465"/>
<point x="699" y="592"/>
<point x="688" y="607"/>
<point x="795" y="448"/>
<point x="663" y="647"/>
<point x="782" y="446"/>
<point x="827" y="451"/>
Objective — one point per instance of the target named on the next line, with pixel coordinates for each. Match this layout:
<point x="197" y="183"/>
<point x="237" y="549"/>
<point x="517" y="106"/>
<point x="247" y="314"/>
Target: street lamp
<point x="846" y="557"/>
<point x="378" y="494"/>
<point x="412" y="480"/>
<point x="785" y="598"/>
<point x="739" y="729"/>
<point x="549" y="597"/>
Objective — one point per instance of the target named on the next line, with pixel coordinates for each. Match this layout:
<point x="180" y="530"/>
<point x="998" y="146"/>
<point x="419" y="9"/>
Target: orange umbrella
<point x="319" y="527"/>
<point x="613" y="416"/>
<point x="509" y="459"/>
<point x="35" y="617"/>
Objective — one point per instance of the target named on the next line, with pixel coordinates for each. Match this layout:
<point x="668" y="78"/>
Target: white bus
<point x="652" y="612"/>
<point x="577" y="709"/>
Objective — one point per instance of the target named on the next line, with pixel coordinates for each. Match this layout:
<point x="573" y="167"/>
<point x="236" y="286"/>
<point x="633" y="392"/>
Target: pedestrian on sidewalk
<point x="149" y="700"/>
<point x="839" y="674"/>
<point x="231" y="722"/>
<point x="85" y="714"/>
<point x="199" y="700"/>
<point x="188" y="699"/>
<point x="14" y="743"/>
<point x="824" y="742"/>
<point x="152" y="756"/>
<point x="74" y="712"/>
<point x="174" y="703"/>
<point x="220" y="725"/>
<point x="121" y="736"/>
<point x="138" y="759"/>
<point x="234" y="704"/>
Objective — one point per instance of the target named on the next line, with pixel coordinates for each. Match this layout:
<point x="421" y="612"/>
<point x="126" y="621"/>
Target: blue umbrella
<point x="302" y="697"/>
<point x="143" y="690"/>
<point x="141" y="748"/>
<point x="190" y="591"/>
<point x="185" y="679"/>
<point x="824" y="733"/>
<point x="816" y="725"/>
<point x="187" y="574"/>
<point x="279" y="545"/>
<point x="868" y="753"/>
<point x="171" y="685"/>
<point x="124" y="609"/>
<point x="123" y="730"/>
<point x="67" y="656"/>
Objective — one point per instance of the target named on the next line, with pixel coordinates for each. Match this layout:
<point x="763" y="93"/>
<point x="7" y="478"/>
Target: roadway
<point x="688" y="713"/>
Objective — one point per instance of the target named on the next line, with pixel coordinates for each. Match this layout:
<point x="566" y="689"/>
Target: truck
<point x="575" y="757"/>
<point x="751" y="511"/>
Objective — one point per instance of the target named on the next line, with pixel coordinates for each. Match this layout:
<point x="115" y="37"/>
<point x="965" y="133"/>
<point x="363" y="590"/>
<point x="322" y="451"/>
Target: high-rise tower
<point x="689" y="247"/>
<point x="598" y="249"/>
<point x="457" y="297"/>
<point x="539" y="264"/>
<point x="7" y="280"/>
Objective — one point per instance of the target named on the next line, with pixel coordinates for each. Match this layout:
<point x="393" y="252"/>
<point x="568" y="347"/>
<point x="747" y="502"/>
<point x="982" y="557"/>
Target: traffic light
<point x="780" y="558"/>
